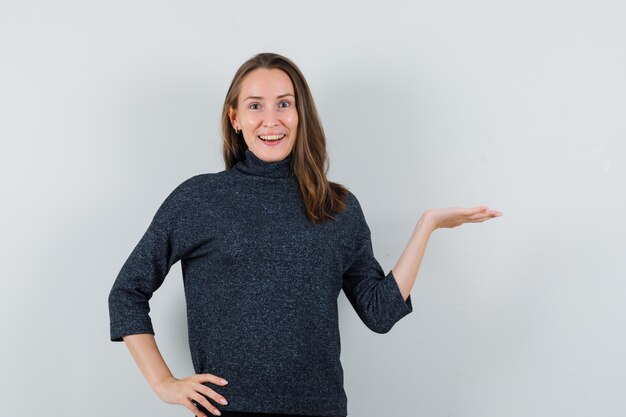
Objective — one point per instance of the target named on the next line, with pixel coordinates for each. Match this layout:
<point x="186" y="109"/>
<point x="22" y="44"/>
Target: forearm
<point x="146" y="354"/>
<point x="405" y="270"/>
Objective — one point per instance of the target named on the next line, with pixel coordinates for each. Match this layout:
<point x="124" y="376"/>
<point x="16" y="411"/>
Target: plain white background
<point x="108" y="105"/>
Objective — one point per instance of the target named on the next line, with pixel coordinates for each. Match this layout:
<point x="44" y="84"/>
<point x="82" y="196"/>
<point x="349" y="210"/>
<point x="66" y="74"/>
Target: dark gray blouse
<point x="261" y="284"/>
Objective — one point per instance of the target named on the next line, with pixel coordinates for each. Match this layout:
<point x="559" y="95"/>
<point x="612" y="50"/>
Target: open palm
<point x="449" y="217"/>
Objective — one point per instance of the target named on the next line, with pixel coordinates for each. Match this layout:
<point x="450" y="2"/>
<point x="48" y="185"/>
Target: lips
<point x="272" y="141"/>
<point x="275" y="136"/>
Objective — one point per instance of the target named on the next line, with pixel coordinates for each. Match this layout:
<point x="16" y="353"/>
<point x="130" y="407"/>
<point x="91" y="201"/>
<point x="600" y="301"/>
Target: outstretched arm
<point x="405" y="270"/>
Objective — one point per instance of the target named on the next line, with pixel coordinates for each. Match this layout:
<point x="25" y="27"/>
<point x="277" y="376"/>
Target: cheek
<point x="249" y="121"/>
<point x="293" y="120"/>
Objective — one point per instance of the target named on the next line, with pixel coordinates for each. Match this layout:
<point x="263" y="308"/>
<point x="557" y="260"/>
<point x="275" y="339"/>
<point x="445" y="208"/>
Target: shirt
<point x="261" y="284"/>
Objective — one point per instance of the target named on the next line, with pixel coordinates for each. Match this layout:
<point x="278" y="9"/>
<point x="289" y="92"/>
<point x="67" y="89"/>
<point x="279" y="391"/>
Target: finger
<point x="476" y="210"/>
<point x="486" y="214"/>
<point x="489" y="217"/>
<point x="204" y="405"/>
<point x="191" y="405"/>
<point x="477" y="216"/>
<point x="476" y="219"/>
<point x="202" y="409"/>
<point x="203" y="389"/>
<point x="471" y="210"/>
<point x="211" y="378"/>
<point x="491" y="214"/>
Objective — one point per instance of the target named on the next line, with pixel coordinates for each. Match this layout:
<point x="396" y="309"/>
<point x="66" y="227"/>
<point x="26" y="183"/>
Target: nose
<point x="271" y="118"/>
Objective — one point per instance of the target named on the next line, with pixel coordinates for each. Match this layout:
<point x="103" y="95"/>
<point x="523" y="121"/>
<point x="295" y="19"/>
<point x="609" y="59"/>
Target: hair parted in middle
<point x="309" y="159"/>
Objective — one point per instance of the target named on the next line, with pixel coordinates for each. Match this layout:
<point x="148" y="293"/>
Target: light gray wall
<point x="106" y="106"/>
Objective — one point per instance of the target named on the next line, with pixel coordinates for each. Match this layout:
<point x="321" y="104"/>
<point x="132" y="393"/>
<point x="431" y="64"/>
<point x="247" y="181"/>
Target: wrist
<point x="158" y="384"/>
<point x="427" y="222"/>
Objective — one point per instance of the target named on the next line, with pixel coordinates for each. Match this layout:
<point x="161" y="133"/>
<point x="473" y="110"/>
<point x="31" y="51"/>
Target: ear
<point x="232" y="115"/>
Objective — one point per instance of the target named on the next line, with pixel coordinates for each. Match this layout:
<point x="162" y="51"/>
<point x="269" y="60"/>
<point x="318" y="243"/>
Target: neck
<point x="253" y="165"/>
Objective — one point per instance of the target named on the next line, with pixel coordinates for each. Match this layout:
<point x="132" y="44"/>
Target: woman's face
<point x="266" y="106"/>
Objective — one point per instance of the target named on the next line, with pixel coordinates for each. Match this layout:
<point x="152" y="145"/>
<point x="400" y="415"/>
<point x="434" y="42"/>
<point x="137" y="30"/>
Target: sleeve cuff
<point x="403" y="306"/>
<point x="128" y="328"/>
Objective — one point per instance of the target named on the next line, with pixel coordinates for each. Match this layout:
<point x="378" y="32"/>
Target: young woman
<point x="266" y="246"/>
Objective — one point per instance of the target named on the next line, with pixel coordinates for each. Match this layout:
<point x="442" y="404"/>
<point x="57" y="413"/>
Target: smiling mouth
<point x="271" y="138"/>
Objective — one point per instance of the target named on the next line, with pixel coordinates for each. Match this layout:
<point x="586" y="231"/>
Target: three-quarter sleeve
<point x="146" y="267"/>
<point x="375" y="296"/>
<point x="141" y="275"/>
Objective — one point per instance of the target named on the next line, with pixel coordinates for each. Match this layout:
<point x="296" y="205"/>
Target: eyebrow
<point x="261" y="98"/>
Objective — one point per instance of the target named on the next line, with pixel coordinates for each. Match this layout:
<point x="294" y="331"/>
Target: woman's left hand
<point x="450" y="217"/>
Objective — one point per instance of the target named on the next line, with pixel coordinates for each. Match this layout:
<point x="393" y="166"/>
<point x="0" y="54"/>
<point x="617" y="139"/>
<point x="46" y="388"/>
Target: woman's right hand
<point x="187" y="390"/>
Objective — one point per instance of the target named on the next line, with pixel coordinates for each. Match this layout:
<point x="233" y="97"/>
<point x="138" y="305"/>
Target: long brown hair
<point x="309" y="159"/>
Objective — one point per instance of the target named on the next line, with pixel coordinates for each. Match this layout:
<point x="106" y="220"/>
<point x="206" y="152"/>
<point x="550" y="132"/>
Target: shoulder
<point x="196" y="186"/>
<point x="353" y="225"/>
<point x="185" y="196"/>
<point x="352" y="220"/>
<point x="353" y="206"/>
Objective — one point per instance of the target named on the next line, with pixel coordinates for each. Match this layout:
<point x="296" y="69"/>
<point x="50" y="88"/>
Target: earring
<point x="237" y="131"/>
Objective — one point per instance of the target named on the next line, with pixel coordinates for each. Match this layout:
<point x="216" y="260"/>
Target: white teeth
<point x="272" y="137"/>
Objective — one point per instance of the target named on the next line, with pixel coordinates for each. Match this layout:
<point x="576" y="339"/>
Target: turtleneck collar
<point x="253" y="165"/>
